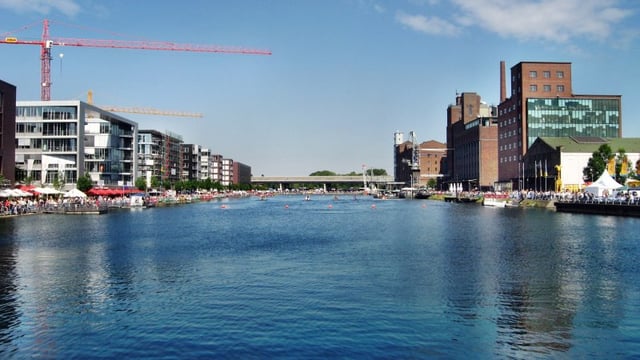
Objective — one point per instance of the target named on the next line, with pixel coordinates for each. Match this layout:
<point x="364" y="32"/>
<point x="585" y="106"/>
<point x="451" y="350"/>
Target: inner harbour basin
<point x="346" y="277"/>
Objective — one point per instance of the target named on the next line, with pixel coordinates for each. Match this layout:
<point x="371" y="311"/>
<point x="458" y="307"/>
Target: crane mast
<point x="46" y="43"/>
<point x="415" y="157"/>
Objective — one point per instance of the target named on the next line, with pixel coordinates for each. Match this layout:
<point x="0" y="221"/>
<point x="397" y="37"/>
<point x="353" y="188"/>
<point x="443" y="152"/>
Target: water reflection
<point x="9" y="314"/>
<point x="410" y="280"/>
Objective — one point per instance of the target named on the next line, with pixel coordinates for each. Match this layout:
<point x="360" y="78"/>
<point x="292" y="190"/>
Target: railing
<point x="634" y="201"/>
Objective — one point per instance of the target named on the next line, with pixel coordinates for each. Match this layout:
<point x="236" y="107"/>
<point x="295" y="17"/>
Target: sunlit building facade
<point x="472" y="143"/>
<point x="542" y="103"/>
<point x="576" y="116"/>
<point x="63" y="140"/>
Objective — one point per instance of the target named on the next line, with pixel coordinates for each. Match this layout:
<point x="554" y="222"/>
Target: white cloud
<point x="429" y="25"/>
<point x="379" y="8"/>
<point x="549" y="20"/>
<point x="67" y="7"/>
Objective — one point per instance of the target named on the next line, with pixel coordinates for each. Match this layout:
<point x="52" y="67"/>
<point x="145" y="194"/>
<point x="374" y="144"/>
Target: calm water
<point x="320" y="279"/>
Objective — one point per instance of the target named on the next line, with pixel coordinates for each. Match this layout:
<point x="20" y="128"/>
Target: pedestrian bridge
<point x="282" y="180"/>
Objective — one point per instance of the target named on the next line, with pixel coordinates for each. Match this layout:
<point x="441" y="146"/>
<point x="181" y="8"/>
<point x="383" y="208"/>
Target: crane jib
<point x="48" y="42"/>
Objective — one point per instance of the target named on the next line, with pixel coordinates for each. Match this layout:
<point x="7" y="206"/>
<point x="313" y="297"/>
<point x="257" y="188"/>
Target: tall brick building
<point x="472" y="146"/>
<point x="542" y="104"/>
<point x="417" y="163"/>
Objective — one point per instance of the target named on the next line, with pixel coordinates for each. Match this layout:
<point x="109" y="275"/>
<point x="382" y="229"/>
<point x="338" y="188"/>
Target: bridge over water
<point x="281" y="181"/>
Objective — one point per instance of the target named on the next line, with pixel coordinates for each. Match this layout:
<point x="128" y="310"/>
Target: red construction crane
<point x="46" y="43"/>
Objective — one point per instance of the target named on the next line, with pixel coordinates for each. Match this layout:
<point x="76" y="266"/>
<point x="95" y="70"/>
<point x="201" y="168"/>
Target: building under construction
<point x="159" y="156"/>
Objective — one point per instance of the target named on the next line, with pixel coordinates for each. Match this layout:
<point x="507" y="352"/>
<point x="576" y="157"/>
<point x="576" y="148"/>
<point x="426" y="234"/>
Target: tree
<point x="58" y="181"/>
<point x="206" y="184"/>
<point x="84" y="183"/>
<point x="180" y="186"/>
<point x="141" y="183"/>
<point x="601" y="158"/>
<point x="597" y="162"/>
<point x="624" y="167"/>
<point x="155" y="182"/>
<point x="379" y="172"/>
<point x="323" y="173"/>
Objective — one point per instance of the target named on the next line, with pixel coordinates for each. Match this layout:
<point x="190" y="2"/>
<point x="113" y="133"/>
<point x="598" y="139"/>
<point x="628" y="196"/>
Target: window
<point x="533" y="74"/>
<point x="533" y="88"/>
<point x="546" y="74"/>
<point x="547" y="88"/>
<point x="560" y="74"/>
<point x="560" y="88"/>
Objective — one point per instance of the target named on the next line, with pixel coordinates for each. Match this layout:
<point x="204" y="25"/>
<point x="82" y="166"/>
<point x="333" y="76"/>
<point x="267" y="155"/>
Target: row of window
<point x="510" y="158"/>
<point x="511" y="146"/>
<point x="47" y="112"/>
<point x="546" y="88"/>
<point x="510" y="133"/>
<point x="509" y="121"/>
<point x="546" y="74"/>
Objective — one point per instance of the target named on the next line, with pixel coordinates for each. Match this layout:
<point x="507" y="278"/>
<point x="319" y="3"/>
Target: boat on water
<point x="422" y="194"/>
<point x="499" y="200"/>
<point x="494" y="202"/>
<point x="466" y="199"/>
<point x="136" y="201"/>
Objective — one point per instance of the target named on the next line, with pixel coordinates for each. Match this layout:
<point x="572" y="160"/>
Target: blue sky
<point x="344" y="74"/>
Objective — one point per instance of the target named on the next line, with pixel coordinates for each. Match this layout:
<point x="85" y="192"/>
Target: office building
<point x="542" y="104"/>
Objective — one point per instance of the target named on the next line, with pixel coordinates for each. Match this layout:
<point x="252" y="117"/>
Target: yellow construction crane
<point x="145" y="111"/>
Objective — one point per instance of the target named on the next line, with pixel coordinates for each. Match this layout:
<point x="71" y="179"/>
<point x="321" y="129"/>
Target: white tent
<point x="604" y="183"/>
<point x="74" y="193"/>
<point x="46" y="191"/>
<point x="13" y="193"/>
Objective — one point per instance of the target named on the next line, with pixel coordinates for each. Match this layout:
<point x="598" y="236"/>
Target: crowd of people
<point x="618" y="197"/>
<point x="23" y="206"/>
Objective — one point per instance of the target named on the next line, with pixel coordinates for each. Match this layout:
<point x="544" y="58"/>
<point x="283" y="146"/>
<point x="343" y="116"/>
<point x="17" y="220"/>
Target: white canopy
<point x="74" y="193"/>
<point x="46" y="191"/>
<point x="604" y="183"/>
<point x="7" y="193"/>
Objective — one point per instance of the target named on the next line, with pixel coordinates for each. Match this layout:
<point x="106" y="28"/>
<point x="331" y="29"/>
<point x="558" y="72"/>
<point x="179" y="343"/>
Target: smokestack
<point x="503" y="83"/>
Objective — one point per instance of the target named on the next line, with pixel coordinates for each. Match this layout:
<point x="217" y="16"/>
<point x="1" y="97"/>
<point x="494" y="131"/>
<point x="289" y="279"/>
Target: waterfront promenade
<point x="353" y="277"/>
<point x="625" y="204"/>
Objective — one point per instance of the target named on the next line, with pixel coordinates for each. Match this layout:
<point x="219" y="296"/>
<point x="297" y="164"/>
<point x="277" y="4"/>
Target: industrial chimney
<point x="503" y="83"/>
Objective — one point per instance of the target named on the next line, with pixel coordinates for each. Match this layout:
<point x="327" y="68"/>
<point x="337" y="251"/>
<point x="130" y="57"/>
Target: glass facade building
<point x="66" y="139"/>
<point x="559" y="117"/>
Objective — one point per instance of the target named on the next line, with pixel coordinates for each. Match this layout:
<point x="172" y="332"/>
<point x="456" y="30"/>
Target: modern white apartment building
<point x="67" y="139"/>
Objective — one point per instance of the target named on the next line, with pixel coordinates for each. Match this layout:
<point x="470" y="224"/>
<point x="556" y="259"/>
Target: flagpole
<point x="535" y="171"/>
<point x="545" y="175"/>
